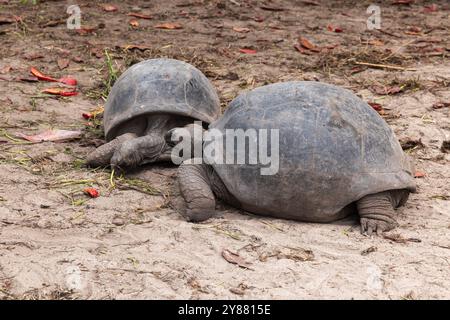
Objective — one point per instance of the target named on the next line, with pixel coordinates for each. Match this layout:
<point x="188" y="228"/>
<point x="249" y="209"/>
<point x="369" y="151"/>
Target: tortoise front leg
<point x="376" y="211"/>
<point x="140" y="150"/>
<point x="102" y="155"/>
<point x="196" y="190"/>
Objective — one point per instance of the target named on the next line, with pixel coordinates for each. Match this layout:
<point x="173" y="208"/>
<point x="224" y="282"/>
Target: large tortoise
<point x="148" y="100"/>
<point x="336" y="156"/>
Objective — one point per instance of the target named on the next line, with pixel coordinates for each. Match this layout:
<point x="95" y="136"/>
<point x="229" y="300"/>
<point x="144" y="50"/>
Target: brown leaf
<point x="139" y="15"/>
<point x="7" y="19"/>
<point x="53" y="23"/>
<point x="109" y="7"/>
<point x="399" y="238"/>
<point x="376" y="42"/>
<point x="368" y="250"/>
<point x="86" y="30"/>
<point x="270" y="8"/>
<point x="169" y="26"/>
<point x="52" y="135"/>
<point x="310" y="3"/>
<point x="235" y="258"/>
<point x="439" y="105"/>
<point x="135" y="47"/>
<point x="408" y="143"/>
<point x="63" y="63"/>
<point x="305" y="43"/>
<point x="241" y="29"/>
<point x="300" y="49"/>
<point x="33" y="55"/>
<point x="258" y="19"/>
<point x="386" y="90"/>
<point x="5" y="69"/>
<point x="134" y="23"/>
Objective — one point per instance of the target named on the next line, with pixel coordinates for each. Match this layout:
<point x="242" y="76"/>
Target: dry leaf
<point x="407" y="2"/>
<point x="368" y="250"/>
<point x="63" y="63"/>
<point x="134" y="23"/>
<point x="334" y="29"/>
<point x="247" y="51"/>
<point x="41" y="76"/>
<point x="241" y="29"/>
<point x="430" y="8"/>
<point x="169" y="26"/>
<point x="60" y="92"/>
<point x="109" y="7"/>
<point x="270" y="8"/>
<point x="52" y="135"/>
<point x="69" y="81"/>
<point x="139" y="15"/>
<point x="135" y="47"/>
<point x="419" y="174"/>
<point x="305" y="43"/>
<point x="235" y="258"/>
<point x="91" y="192"/>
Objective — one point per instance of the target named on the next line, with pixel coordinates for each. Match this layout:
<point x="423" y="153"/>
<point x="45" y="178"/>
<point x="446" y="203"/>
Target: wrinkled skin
<point x="200" y="186"/>
<point x="138" y="142"/>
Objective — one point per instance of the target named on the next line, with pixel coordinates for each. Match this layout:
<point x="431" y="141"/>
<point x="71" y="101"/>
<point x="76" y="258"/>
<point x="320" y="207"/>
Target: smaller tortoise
<point x="336" y="156"/>
<point x="148" y="100"/>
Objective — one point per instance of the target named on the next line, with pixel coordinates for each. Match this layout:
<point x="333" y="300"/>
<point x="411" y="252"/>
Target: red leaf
<point x="41" y="76"/>
<point x="91" y="192"/>
<point x="334" y="29"/>
<point x="69" y="81"/>
<point x="247" y="51"/>
<point x="139" y="15"/>
<point x="407" y="2"/>
<point x="258" y="19"/>
<point x="241" y="29"/>
<point x="305" y="43"/>
<point x="169" y="26"/>
<point x="419" y="174"/>
<point x="109" y="7"/>
<point x="52" y="135"/>
<point x="430" y="8"/>
<point x="60" y="92"/>
<point x="87" y="116"/>
<point x="300" y="49"/>
<point x="376" y="106"/>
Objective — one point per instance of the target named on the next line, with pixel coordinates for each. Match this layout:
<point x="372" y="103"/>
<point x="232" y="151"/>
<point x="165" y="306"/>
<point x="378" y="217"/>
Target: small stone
<point x="118" y="221"/>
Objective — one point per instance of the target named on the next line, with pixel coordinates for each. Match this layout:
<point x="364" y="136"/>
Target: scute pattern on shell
<point x="334" y="149"/>
<point x="160" y="86"/>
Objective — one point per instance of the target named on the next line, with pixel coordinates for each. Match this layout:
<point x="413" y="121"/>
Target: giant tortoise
<point x="148" y="100"/>
<point x="337" y="155"/>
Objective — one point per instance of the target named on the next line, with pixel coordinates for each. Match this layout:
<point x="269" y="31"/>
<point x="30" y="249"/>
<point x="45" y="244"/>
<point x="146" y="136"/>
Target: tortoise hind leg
<point x="376" y="211"/>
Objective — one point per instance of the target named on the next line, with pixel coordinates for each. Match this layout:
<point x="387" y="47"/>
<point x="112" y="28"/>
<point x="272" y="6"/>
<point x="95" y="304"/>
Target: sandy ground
<point x="55" y="242"/>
